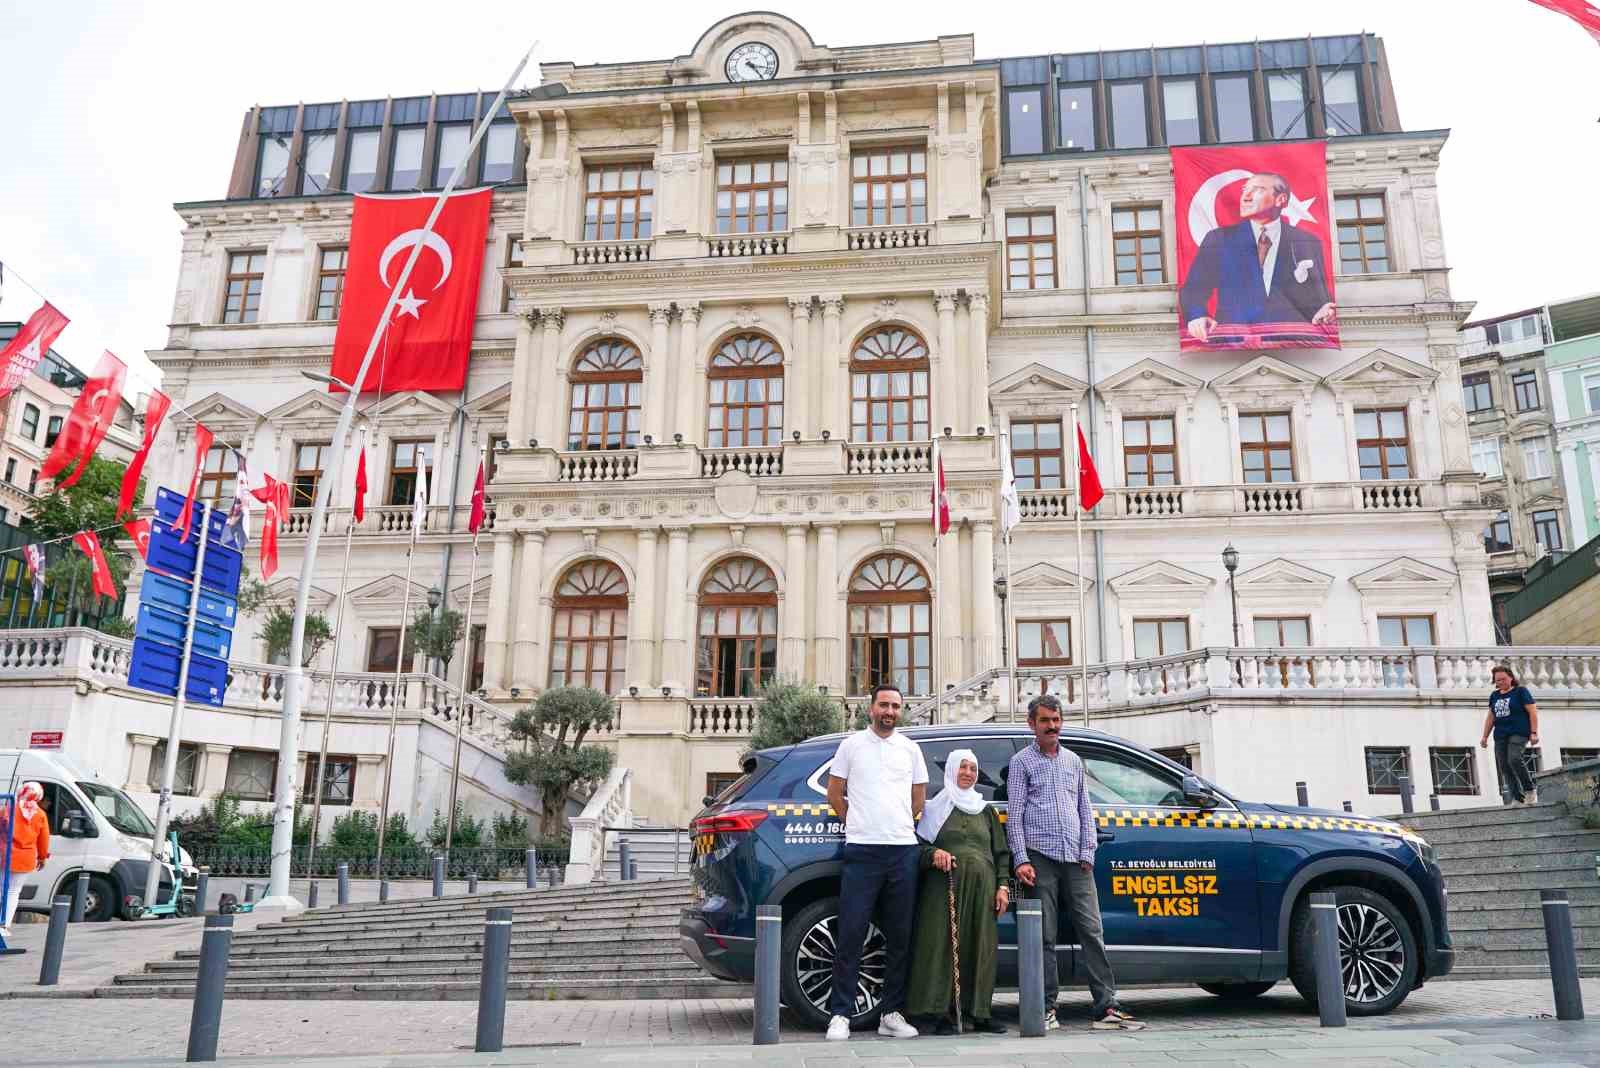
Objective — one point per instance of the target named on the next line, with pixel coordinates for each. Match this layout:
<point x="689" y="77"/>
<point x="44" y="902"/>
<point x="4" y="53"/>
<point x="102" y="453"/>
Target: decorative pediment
<point x="1046" y="585"/>
<point x="480" y="599"/>
<point x="388" y="593"/>
<point x="283" y="590"/>
<point x="412" y="405"/>
<point x="1036" y="390"/>
<point x="225" y="417"/>
<point x="1380" y="376"/>
<point x="496" y="402"/>
<point x="1149" y="383"/>
<point x="1404" y="575"/>
<point x="1160" y="577"/>
<point x="1265" y="379"/>
<point x="313" y="408"/>
<point x="1283" y="576"/>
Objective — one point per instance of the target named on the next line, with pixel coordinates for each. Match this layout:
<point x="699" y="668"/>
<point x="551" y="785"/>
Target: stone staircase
<point x="612" y="941"/>
<point x="657" y="853"/>
<point x="1495" y="862"/>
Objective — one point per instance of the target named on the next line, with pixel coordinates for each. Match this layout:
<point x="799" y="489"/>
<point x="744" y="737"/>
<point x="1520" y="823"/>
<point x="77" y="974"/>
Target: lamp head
<point x="1230" y="558"/>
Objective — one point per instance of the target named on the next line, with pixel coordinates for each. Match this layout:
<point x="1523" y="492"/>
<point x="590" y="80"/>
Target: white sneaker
<point x="893" y="1025"/>
<point x="839" y="1029"/>
<point x="1051" y="1023"/>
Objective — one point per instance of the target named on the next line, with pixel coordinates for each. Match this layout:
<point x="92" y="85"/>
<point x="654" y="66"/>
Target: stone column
<point x="675" y="667"/>
<point x="525" y="660"/>
<point x="642" y="620"/>
<point x="830" y="665"/>
<point x="211" y="779"/>
<point x="657" y="372"/>
<point x="691" y="388"/>
<point x="945" y="374"/>
<point x="144" y="747"/>
<point x="947" y="602"/>
<point x="497" y="634"/>
<point x="369" y="780"/>
<point x="833" y="414"/>
<point x="985" y="652"/>
<point x="797" y="372"/>
<point x="525" y="381"/>
<point x="551" y="385"/>
<point x="793" y="660"/>
<point x="977" y="383"/>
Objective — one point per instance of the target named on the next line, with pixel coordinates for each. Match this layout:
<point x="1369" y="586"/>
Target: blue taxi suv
<point x="1196" y="886"/>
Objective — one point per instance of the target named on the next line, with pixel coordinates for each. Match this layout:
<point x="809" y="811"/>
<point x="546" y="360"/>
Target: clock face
<point x="752" y="62"/>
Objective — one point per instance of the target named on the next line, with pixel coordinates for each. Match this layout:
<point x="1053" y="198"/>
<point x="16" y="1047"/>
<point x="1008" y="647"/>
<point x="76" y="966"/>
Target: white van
<point x="94" y="827"/>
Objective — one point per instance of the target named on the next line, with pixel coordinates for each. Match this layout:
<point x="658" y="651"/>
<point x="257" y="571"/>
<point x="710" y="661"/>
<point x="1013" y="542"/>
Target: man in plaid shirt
<point x="1051" y="827"/>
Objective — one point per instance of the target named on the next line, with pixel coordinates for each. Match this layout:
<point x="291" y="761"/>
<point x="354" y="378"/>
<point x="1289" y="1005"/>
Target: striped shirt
<point x="1049" y="809"/>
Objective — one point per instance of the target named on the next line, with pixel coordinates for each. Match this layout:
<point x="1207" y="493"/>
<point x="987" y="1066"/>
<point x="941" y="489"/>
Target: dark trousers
<point x="1515" y="781"/>
<point x="1058" y="885"/>
<point x="878" y="884"/>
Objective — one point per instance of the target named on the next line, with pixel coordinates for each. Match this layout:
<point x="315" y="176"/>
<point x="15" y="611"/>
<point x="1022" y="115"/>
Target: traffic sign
<point x="169" y="506"/>
<point x="172" y="556"/>
<point x="155" y="667"/>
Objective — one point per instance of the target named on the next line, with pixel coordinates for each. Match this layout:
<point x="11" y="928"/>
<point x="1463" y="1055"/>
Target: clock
<point x="752" y="62"/>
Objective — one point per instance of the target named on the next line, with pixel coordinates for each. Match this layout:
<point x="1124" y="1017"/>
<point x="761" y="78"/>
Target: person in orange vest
<point x="30" y="845"/>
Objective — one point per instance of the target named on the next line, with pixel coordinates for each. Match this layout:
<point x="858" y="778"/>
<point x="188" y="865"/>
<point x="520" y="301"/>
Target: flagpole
<point x="938" y="603"/>
<point x="1008" y="636"/>
<point x="1077" y="527"/>
<point x="289" y="731"/>
<point x="327" y="716"/>
<point x="394" y="706"/>
<point x="461" y="705"/>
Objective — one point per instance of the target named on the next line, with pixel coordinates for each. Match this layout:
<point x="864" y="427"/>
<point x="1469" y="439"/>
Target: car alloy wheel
<point x="1372" y="955"/>
<point x="814" y="966"/>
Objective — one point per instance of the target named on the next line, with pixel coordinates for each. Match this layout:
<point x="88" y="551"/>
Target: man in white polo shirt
<point x="876" y="784"/>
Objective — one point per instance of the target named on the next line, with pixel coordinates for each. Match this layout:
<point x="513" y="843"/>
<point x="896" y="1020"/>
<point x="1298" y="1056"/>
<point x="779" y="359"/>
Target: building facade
<point x="1572" y="361"/>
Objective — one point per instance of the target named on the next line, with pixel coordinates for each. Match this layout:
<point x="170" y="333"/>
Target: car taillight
<point x="729" y="822"/>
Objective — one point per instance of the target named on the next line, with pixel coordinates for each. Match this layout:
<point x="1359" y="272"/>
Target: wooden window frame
<point x="1530" y="380"/>
<point x="1383" y="445"/>
<point x="1286" y="663"/>
<point x="710" y="666"/>
<point x="1470" y="765"/>
<point x="1553" y="522"/>
<point x="1496" y="546"/>
<point x="1140" y="275"/>
<point x="1149" y="451"/>
<point x="1025" y="248"/>
<point x="630" y="377"/>
<point x="641" y="196"/>
<point x="874" y="355"/>
<point x="213" y="483"/>
<point x="745" y="358"/>
<point x="1266" y="447"/>
<point x="1368" y="752"/>
<point x="862" y="639"/>
<point x="377" y="634"/>
<point x="1403" y="618"/>
<point x="718" y="781"/>
<point x="608" y="608"/>
<point x="1028" y="688"/>
<point x="1365" y="262"/>
<point x="775" y="189"/>
<point x="1036" y="454"/>
<point x="394" y="498"/>
<point x="1161" y="641"/>
<point x="333" y="762"/>
<point x="1469" y="388"/>
<point x="305" y="480"/>
<point x="330" y="284"/>
<point x="915" y="214"/>
<point x="250" y="282"/>
<point x="30" y="421"/>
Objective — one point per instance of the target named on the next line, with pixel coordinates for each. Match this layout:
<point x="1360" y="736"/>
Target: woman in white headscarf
<point x="30" y="845"/>
<point x="961" y="838"/>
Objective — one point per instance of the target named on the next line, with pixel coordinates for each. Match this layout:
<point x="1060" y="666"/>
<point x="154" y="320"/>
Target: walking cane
<point x="955" y="941"/>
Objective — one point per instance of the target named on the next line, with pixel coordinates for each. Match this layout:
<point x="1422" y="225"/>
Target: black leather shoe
<point x="986" y="1027"/>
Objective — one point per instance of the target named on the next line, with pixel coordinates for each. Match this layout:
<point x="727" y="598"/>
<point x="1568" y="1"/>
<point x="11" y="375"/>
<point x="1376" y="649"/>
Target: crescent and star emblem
<point x="409" y="304"/>
<point x="1203" y="206"/>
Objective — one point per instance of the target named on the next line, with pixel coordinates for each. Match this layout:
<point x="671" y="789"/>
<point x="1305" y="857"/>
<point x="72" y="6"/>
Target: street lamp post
<point x="435" y="598"/>
<point x="1230" y="560"/>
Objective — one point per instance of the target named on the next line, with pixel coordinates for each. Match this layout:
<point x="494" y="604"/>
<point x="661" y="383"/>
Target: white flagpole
<point x="400" y="658"/>
<point x="461" y="705"/>
<point x="1077" y="527"/>
<point x="938" y="602"/>
<point x="1009" y="636"/>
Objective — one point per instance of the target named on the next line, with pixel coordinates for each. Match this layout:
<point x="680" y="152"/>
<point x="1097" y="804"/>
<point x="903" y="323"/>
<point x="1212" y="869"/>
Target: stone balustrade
<point x="1255" y="498"/>
<point x="747" y="245"/>
<point x="597" y="466"/>
<point x="868" y="238"/>
<point x="912" y="457"/>
<point x="755" y="462"/>
<point x="722" y="717"/>
<point x="590" y="253"/>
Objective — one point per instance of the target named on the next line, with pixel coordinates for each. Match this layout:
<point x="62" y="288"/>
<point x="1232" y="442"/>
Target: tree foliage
<point x="788" y="712"/>
<point x="436" y="632"/>
<point x="277" y="628"/>
<point x="554" y="760"/>
<point x="356" y="833"/>
<point x="468" y="833"/>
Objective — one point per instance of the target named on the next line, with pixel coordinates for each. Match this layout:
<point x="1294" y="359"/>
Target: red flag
<point x="202" y="445"/>
<point x="1089" y="489"/>
<point x="87" y="423"/>
<point x="430" y="335"/>
<point x="139" y="531"/>
<point x="275" y="495"/>
<point x="155" y="410"/>
<point x="1585" y="13"/>
<point x="475" y="520"/>
<point x="89" y="542"/>
<point x="24" y="351"/>
<point x="361" y="486"/>
<point x="941" y="499"/>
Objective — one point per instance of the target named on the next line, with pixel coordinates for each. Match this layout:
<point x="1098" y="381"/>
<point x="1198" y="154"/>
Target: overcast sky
<point x="113" y="111"/>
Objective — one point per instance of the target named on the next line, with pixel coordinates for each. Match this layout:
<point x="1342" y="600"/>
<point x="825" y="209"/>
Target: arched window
<point x="607" y="383"/>
<point x="589" y="635"/>
<point x="745" y="382"/>
<point x="891" y="639"/>
<point x="889" y="387"/>
<point x="738" y="651"/>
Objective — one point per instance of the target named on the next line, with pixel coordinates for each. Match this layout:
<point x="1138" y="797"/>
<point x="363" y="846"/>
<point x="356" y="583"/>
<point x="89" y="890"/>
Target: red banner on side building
<point x="1254" y="247"/>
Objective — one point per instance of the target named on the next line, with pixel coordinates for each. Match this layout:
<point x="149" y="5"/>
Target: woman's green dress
<point x="978" y="843"/>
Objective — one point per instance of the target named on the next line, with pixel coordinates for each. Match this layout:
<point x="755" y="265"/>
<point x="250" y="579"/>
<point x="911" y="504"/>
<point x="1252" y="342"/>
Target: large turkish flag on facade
<point x="1255" y="247"/>
<point x="429" y="339"/>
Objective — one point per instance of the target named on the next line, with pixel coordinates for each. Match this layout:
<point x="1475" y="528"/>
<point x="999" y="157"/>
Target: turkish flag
<point x="1259" y="282"/>
<point x="89" y="542"/>
<point x="475" y="520"/>
<point x="155" y="410"/>
<point x="275" y="495"/>
<point x="202" y="445"/>
<point x="941" y="498"/>
<point x="1090" y="491"/>
<point x="23" y="353"/>
<point x="429" y="339"/>
<point x="139" y="531"/>
<point x="88" y="421"/>
<point x="361" y="486"/>
<point x="1584" y="12"/>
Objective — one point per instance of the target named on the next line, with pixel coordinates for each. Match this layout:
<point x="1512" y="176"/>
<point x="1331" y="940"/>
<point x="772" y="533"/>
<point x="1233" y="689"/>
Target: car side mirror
<point x="1197" y="793"/>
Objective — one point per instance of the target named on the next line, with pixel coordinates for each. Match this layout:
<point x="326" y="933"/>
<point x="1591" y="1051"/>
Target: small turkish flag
<point x="87" y="423"/>
<point x="24" y="351"/>
<point x="361" y="486"/>
<point x="275" y="495"/>
<point x="89" y="542"/>
<point x="475" y="520"/>
<point x="941" y="498"/>
<point x="1583" y="12"/>
<point x="429" y="339"/>
<point x="1089" y="489"/>
<point x="155" y="410"/>
<point x="202" y="445"/>
<point x="139" y="531"/>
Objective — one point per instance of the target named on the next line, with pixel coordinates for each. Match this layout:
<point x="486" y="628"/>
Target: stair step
<point x="1510" y="916"/>
<point x="661" y="950"/>
<point x="1479" y="816"/>
<point x="1535" y="957"/>
<point x="554" y="900"/>
<point x="405" y="973"/>
<point x="1552" y="823"/>
<point x="700" y="986"/>
<point x="1515" y="879"/>
<point x="1543" y="842"/>
<point x="1520" y="936"/>
<point x="662" y="936"/>
<point x="1469" y="900"/>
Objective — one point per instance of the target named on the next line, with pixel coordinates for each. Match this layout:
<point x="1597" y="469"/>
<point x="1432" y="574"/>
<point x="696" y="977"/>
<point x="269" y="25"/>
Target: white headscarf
<point x="29" y="794"/>
<point x="951" y="797"/>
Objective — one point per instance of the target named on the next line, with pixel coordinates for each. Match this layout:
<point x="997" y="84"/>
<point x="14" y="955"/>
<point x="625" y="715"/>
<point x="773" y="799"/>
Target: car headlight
<point x="1424" y="850"/>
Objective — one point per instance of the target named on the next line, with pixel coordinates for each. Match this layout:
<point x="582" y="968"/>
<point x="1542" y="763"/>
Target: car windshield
<point x="120" y="812"/>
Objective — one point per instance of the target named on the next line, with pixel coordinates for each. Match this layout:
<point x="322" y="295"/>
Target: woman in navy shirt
<point x="1514" y="719"/>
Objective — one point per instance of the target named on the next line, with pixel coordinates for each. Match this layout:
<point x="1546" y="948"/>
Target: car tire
<point x="1370" y="925"/>
<point x="101" y="903"/>
<point x="808" y="961"/>
<point x="1237" y="991"/>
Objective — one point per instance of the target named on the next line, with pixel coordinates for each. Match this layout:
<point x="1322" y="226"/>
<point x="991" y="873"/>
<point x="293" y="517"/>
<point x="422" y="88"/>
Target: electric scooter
<point x="180" y="904"/>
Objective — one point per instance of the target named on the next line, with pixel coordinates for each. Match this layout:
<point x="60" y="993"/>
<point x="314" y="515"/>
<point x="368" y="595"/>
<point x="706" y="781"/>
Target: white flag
<point x="419" y="512"/>
<point x="1010" y="505"/>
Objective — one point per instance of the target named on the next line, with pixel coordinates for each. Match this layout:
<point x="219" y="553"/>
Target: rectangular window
<point x="619" y="203"/>
<point x="889" y="187"/>
<point x="1231" y="96"/>
<point x="452" y="142"/>
<point x="1180" y="111"/>
<point x="52" y="430"/>
<point x="1405" y="630"/>
<point x="1547" y="529"/>
<point x="1284" y="632"/>
<point x="1578" y="756"/>
<point x="513" y="259"/>
<point x="1455" y="771"/>
<point x="1130" y="123"/>
<point x="361" y="164"/>
<point x="1024" y="121"/>
<point x="381" y="645"/>
<point x="11" y="471"/>
<point x="1161" y="637"/>
<point x="1497" y="535"/>
<point x="1075" y="117"/>
<point x="33" y="481"/>
<point x="1385" y="766"/>
<point x="1341" y="102"/>
<point x="30" y="422"/>
<point x="318" y="158"/>
<point x="1363" y="233"/>
<point x="1266" y="447"/>
<point x="1525" y="390"/>
<point x="310" y="458"/>
<point x="330" y="283"/>
<point x="403" y="457"/>
<point x="405" y="158"/>
<point x="1286" y="102"/>
<point x="478" y="632"/>
<point x="1486" y="457"/>
<point x="490" y="454"/>
<point x="272" y="165"/>
<point x="1031" y="251"/>
<point x="1591" y="390"/>
<point x="1036" y="457"/>
<point x="1476" y="393"/>
<point x="499" y="152"/>
<point x="752" y="196"/>
<point x="1044" y="642"/>
<point x="1383" y="448"/>
<point x="242" y="297"/>
<point x="338" y="779"/>
<point x="1513" y="330"/>
<point x="1178" y="754"/>
<point x="1149" y="450"/>
<point x="219" y="476"/>
<point x="1536" y="458"/>
<point x="1136" y="242"/>
<point x="251" y="773"/>
<point x="186" y="779"/>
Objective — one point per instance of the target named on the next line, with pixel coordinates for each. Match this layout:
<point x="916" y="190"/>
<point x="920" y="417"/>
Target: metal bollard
<point x="1405" y="793"/>
<point x="438" y="876"/>
<point x="383" y="891"/>
<point x="472" y="882"/>
<point x="1300" y="795"/>
<point x="633" y="869"/>
<point x="1030" y="967"/>
<point x="624" y="855"/>
<point x="531" y="858"/>
<point x="55" y="942"/>
<point x="1558" y="942"/>
<point x="769" y="943"/>
<point x="492" y="986"/>
<point x="1348" y="807"/>
<point x="344" y="884"/>
<point x="80" y="897"/>
<point x="1433" y="802"/>
<point x="249" y="892"/>
<point x="311" y="895"/>
<point x="558" y="875"/>
<point x="202" y="887"/>
<point x="206" y="1021"/>
<point x="1325" y="942"/>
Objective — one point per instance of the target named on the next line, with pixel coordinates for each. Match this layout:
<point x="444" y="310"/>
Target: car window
<point x="1115" y="779"/>
<point x="994" y="763"/>
<point x="58" y="803"/>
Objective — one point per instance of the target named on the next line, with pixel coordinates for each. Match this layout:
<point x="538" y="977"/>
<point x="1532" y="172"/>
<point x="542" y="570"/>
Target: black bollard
<point x="383" y="891"/>
<point x="1433" y="802"/>
<point x="633" y="868"/>
<point x="1030" y="967"/>
<point x="531" y="858"/>
<point x="1325" y="943"/>
<point x="1558" y="943"/>
<point x="438" y="876"/>
<point x="80" y="897"/>
<point x="492" y="986"/>
<point x="624" y="855"/>
<point x="1348" y="807"/>
<point x="202" y="887"/>
<point x="1300" y="795"/>
<point x="55" y="942"/>
<point x="472" y="882"/>
<point x="769" y="943"/>
<point x="311" y="895"/>
<point x="344" y="884"/>
<point x="205" y="1024"/>
<point x="1405" y="793"/>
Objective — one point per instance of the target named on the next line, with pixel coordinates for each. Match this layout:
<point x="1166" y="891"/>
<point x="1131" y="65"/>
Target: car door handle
<point x="1104" y="836"/>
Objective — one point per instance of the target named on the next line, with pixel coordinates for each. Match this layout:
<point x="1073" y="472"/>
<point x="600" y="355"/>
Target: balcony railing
<point x="895" y="459"/>
<point x="597" y="466"/>
<point x="755" y="462"/>
<point x="588" y="253"/>
<point x="1254" y="498"/>
<point x="722" y="717"/>
<point x="868" y="238"/>
<point x="748" y="245"/>
<point x="387" y="519"/>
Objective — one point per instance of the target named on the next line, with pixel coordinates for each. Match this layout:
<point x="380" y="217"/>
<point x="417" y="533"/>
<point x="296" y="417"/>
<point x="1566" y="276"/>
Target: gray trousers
<point x="1512" y="764"/>
<point x="1057" y="886"/>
